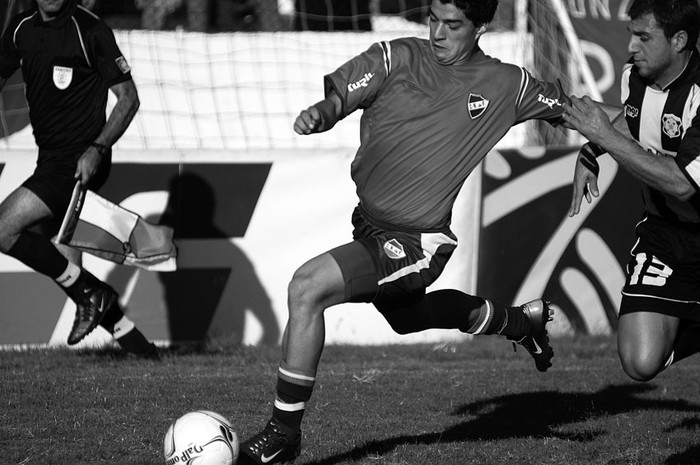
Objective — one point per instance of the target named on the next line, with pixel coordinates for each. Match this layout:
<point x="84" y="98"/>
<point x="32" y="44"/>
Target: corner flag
<point x="97" y="226"/>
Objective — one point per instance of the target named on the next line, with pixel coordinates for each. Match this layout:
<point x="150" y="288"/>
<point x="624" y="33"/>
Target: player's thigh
<point x="319" y="281"/>
<point x="646" y="337"/>
<point x="20" y="210"/>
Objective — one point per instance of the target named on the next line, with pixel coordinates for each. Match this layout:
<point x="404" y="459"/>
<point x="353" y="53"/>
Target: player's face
<point x="452" y="36"/>
<point x="50" y="8"/>
<point x="651" y="50"/>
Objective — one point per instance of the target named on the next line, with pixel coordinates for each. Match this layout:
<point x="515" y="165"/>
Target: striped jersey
<point x="666" y="122"/>
<point x="68" y="64"/>
<point x="425" y="126"/>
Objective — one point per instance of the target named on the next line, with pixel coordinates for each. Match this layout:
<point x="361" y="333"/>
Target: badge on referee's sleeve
<point x="122" y="64"/>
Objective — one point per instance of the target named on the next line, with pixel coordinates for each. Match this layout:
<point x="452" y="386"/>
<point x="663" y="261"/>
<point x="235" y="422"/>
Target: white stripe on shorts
<point x="429" y="243"/>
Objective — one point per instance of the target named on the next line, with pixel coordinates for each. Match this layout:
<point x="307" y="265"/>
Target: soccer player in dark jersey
<point x="69" y="60"/>
<point x="432" y="110"/>
<point x="656" y="138"/>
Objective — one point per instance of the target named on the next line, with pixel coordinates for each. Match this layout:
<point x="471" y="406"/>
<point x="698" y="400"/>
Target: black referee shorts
<point x="53" y="179"/>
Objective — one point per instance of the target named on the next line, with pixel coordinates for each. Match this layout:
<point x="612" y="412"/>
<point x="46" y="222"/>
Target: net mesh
<point x="241" y="90"/>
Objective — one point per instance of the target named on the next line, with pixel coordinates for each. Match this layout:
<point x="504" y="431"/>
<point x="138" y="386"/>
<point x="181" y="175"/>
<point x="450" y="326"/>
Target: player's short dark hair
<point x="672" y="16"/>
<point x="479" y="12"/>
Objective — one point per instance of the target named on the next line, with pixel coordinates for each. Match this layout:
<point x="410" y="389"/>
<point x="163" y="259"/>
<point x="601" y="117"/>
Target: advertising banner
<point x="601" y="26"/>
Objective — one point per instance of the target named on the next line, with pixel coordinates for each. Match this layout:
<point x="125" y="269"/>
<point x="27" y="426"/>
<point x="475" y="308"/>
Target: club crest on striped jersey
<point x="62" y="77"/>
<point x="476" y="104"/>
<point x="672" y="125"/>
<point x="631" y="111"/>
<point x="394" y="250"/>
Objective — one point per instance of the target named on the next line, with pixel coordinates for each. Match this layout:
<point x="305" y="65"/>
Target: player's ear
<point x="679" y="40"/>
<point x="481" y="30"/>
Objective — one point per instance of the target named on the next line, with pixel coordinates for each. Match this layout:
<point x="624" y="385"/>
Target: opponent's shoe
<point x="96" y="299"/>
<point x="277" y="443"/>
<point x="536" y="342"/>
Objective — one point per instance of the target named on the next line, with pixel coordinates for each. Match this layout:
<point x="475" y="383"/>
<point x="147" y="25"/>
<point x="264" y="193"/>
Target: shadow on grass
<point x="532" y="415"/>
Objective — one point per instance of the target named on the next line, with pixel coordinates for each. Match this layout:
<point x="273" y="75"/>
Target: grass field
<point x="471" y="403"/>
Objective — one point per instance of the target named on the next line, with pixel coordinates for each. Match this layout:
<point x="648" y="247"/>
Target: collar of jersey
<point x="62" y="18"/>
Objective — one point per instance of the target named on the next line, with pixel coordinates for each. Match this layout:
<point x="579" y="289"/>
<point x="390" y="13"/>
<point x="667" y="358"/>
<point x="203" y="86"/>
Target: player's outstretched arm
<point x="319" y="117"/>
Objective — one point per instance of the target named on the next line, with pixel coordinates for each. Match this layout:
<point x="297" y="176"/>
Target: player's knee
<point x="303" y="291"/>
<point x="640" y="368"/>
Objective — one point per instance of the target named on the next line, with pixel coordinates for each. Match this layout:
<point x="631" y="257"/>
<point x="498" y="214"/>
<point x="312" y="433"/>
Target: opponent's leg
<point x="645" y="342"/>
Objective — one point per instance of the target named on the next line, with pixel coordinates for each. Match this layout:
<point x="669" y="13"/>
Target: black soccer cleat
<point x="536" y="342"/>
<point x="135" y="344"/>
<point x="96" y="299"/>
<point x="277" y="443"/>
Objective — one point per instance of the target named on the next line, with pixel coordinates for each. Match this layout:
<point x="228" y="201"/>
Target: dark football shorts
<point x="385" y="266"/>
<point x="663" y="275"/>
<point x="53" y="179"/>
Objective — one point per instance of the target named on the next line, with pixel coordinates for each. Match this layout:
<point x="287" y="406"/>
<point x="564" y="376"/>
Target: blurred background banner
<point x="212" y="153"/>
<point x="602" y="29"/>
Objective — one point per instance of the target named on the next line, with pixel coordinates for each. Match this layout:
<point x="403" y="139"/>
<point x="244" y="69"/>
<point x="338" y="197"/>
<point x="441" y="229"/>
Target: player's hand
<point x="588" y="118"/>
<point x="87" y="166"/>
<point x="585" y="185"/>
<point x="308" y="121"/>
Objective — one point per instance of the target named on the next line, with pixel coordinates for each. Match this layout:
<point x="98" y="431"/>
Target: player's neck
<point x="674" y="70"/>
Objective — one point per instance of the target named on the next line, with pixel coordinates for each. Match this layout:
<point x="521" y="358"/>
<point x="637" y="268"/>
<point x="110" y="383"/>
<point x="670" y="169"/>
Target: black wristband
<point x="101" y="148"/>
<point x="587" y="158"/>
<point x="595" y="149"/>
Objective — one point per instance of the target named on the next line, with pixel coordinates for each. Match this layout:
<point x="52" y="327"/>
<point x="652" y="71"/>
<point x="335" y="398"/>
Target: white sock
<point x="69" y="276"/>
<point x="123" y="327"/>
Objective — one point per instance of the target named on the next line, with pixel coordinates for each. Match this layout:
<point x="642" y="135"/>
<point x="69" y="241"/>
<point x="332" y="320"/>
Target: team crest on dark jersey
<point x="631" y="111"/>
<point x="476" y="105"/>
<point x="672" y="125"/>
<point x="62" y="77"/>
<point x="393" y="249"/>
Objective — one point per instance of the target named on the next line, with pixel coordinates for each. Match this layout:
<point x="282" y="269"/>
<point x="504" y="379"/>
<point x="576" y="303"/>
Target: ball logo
<point x="62" y="77"/>
<point x="394" y="250"/>
<point x="186" y="455"/>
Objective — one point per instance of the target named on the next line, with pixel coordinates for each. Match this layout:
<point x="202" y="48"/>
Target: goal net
<point x="242" y="90"/>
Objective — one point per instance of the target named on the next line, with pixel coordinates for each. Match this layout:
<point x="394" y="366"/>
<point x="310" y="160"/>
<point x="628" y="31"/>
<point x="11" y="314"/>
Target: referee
<point x="69" y="60"/>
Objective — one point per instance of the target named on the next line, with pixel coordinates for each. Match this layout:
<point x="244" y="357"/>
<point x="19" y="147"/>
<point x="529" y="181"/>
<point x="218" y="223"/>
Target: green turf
<point x="470" y="403"/>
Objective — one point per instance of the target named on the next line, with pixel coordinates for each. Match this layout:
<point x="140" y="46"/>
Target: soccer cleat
<point x="134" y="343"/>
<point x="96" y="300"/>
<point x="276" y="443"/>
<point x="536" y="342"/>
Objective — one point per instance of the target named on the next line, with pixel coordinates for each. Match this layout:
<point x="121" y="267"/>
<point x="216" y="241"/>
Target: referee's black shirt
<point x="68" y="65"/>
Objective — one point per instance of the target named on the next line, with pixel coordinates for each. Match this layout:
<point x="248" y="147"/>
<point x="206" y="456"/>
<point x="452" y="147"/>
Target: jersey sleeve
<point x="9" y="58"/>
<point x="107" y="57"/>
<point x="688" y="156"/>
<point x="357" y="82"/>
<point x="539" y="99"/>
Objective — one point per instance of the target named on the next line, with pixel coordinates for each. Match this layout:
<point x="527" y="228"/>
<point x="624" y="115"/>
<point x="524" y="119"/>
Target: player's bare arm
<point x="319" y="117"/>
<point x="658" y="171"/>
<point x="585" y="183"/>
<point x="118" y="121"/>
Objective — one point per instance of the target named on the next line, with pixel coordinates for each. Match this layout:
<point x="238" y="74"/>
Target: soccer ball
<point x="201" y="438"/>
